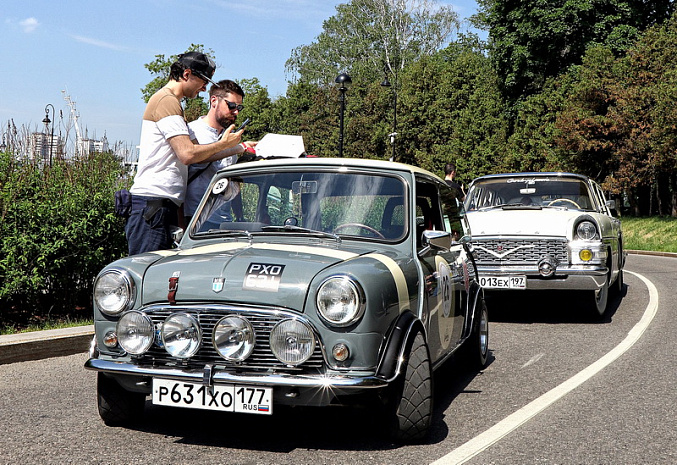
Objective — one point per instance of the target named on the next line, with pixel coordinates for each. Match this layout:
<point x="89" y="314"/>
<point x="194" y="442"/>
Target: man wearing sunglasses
<point x="165" y="152"/>
<point x="225" y="103"/>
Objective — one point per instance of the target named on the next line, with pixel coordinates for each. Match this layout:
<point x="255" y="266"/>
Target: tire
<point x="475" y="350"/>
<point x="413" y="399"/>
<point x="600" y="298"/>
<point x="117" y="406"/>
<point x="618" y="285"/>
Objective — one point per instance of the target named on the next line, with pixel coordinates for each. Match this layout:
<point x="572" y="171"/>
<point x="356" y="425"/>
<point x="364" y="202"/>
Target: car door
<point x="443" y="268"/>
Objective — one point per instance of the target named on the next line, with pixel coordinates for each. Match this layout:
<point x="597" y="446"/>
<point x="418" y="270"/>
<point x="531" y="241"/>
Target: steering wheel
<point x="375" y="232"/>
<point x="565" y="200"/>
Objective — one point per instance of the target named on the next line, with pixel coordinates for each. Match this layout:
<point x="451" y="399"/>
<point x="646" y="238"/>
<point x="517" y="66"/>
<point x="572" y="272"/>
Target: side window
<point x="428" y="210"/>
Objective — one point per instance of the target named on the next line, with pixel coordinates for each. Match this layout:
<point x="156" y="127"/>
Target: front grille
<point x="504" y="252"/>
<point x="261" y="359"/>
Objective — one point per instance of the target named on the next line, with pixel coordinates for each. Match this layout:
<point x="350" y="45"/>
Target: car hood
<point x="265" y="273"/>
<point x="522" y="222"/>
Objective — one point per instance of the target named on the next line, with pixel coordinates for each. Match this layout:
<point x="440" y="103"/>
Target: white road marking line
<point x="501" y="429"/>
<point x="533" y="359"/>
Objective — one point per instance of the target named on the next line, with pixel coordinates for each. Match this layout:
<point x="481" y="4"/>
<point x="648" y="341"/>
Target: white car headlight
<point x="114" y="292"/>
<point x="339" y="301"/>
<point x="234" y="338"/>
<point x="586" y="230"/>
<point x="181" y="335"/>
<point x="135" y="332"/>
<point x="292" y="342"/>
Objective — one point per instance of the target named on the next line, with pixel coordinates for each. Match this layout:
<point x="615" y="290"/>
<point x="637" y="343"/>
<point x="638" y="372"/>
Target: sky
<point x="96" y="52"/>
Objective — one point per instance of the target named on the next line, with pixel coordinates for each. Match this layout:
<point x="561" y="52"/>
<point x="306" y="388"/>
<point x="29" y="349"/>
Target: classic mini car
<point x="303" y="282"/>
<point x="546" y="231"/>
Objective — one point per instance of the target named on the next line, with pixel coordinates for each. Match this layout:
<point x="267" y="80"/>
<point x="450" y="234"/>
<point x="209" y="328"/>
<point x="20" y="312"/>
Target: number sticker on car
<point x="227" y="398"/>
<point x="503" y="282"/>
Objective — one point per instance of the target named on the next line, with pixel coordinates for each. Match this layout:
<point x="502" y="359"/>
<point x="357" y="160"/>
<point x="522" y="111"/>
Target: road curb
<point x="36" y="345"/>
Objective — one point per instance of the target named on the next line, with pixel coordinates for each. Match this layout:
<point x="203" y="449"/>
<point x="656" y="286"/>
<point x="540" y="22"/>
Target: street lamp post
<point x="47" y="122"/>
<point x="344" y="81"/>
<point x="392" y="135"/>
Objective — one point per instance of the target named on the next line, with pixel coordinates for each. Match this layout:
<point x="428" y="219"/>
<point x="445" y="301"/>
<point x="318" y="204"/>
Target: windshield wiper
<point x="290" y="228"/>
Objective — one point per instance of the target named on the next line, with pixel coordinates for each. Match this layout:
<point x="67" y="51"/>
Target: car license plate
<point x="503" y="282"/>
<point x="227" y="397"/>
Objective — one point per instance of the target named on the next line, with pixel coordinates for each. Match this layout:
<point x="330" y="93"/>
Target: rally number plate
<point x="226" y="398"/>
<point x="503" y="282"/>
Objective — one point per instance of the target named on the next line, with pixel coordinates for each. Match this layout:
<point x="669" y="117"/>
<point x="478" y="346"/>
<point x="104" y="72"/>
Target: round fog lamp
<point x="292" y="342"/>
<point x="234" y="338"/>
<point x="585" y="255"/>
<point x="135" y="332"/>
<point x="181" y="335"/>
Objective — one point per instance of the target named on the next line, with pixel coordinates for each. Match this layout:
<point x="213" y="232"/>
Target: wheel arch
<point x="399" y="341"/>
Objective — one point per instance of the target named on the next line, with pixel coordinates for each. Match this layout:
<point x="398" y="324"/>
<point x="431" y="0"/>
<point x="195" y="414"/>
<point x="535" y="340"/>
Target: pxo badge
<point x="263" y="277"/>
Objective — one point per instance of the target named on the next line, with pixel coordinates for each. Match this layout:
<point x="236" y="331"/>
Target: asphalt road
<point x="523" y="408"/>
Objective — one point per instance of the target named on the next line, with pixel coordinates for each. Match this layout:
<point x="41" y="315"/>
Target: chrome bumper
<point x="564" y="279"/>
<point x="211" y="376"/>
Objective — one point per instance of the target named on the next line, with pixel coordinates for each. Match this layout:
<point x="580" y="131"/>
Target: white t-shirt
<point x="203" y="134"/>
<point x="160" y="173"/>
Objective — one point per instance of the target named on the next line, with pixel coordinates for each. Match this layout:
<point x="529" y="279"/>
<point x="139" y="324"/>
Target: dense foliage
<point x="57" y="230"/>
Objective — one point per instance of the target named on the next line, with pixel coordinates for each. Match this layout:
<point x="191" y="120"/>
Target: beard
<point x="226" y="121"/>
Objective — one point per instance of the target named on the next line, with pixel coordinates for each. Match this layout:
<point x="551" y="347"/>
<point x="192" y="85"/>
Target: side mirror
<point x="440" y="240"/>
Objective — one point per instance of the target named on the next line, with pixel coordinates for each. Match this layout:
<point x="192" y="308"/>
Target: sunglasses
<point x="233" y="106"/>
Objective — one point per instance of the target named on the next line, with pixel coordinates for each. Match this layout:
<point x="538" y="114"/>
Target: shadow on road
<point x="333" y="428"/>
<point x="549" y="307"/>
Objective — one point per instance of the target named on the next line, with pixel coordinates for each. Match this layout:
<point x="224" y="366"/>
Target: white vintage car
<point x="553" y="231"/>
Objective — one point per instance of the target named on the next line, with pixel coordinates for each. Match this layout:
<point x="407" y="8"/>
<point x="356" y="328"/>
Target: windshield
<point x="360" y="205"/>
<point x="529" y="192"/>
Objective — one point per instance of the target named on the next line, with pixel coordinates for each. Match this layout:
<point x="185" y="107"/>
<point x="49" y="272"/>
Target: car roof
<point x="333" y="162"/>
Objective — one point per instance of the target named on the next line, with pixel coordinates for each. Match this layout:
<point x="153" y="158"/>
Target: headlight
<point x="292" y="342"/>
<point x="234" y="338"/>
<point x="135" y="332"/>
<point x="114" y="292"/>
<point x="586" y="230"/>
<point x="339" y="301"/>
<point x="181" y="335"/>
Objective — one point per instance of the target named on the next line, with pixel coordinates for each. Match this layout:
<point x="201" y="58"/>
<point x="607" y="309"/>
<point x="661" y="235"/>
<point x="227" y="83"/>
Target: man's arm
<point x="189" y="152"/>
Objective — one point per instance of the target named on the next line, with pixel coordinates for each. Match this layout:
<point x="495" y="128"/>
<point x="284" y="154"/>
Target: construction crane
<point x="74" y="115"/>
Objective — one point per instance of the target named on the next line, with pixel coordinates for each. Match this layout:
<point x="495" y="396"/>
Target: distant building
<point x="88" y="146"/>
<point x="44" y="150"/>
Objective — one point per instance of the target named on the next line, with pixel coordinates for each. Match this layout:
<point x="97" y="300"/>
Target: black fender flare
<point x="398" y="343"/>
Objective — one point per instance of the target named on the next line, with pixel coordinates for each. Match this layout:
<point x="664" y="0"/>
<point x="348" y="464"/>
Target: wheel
<point x="375" y="232"/>
<point x="476" y="347"/>
<point x="618" y="285"/>
<point x="117" y="406"/>
<point x="601" y="298"/>
<point x="564" y="200"/>
<point x="413" y="402"/>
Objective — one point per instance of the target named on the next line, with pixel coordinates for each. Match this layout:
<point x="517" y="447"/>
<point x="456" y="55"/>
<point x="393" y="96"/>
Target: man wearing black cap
<point x="165" y="151"/>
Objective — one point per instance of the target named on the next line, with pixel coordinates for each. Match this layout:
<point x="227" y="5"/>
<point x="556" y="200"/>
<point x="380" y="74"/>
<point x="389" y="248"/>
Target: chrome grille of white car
<point x="500" y="251"/>
<point x="261" y="359"/>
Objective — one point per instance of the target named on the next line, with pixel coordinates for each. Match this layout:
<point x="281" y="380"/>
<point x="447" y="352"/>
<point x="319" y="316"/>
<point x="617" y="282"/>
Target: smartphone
<point x="244" y="124"/>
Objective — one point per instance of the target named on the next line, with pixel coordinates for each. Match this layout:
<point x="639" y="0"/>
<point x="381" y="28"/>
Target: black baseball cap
<point x="200" y="64"/>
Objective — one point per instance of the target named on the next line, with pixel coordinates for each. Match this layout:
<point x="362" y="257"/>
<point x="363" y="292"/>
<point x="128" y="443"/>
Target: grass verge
<point x="657" y="233"/>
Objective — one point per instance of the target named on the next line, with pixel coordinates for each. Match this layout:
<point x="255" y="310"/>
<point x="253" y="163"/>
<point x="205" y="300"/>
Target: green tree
<point x="372" y="37"/>
<point x="533" y="40"/>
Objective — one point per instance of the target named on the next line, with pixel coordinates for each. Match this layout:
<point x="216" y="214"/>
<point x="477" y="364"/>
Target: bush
<point x="57" y="230"/>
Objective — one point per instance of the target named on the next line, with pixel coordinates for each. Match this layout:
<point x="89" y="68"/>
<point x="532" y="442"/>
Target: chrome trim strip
<point x="219" y="377"/>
